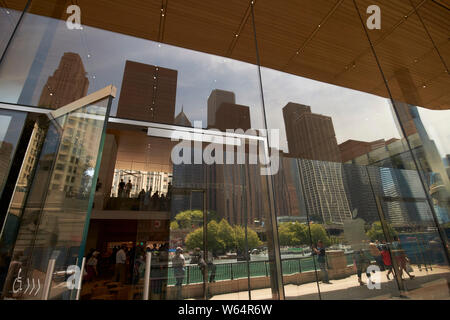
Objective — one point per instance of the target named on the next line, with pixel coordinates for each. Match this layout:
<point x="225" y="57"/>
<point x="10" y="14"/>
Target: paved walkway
<point x="426" y="285"/>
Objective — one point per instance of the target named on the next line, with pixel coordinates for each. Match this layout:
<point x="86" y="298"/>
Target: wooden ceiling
<point x="318" y="39"/>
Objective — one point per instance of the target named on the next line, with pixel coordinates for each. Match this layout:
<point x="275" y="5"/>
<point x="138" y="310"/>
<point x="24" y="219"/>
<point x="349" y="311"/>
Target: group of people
<point x="148" y="200"/>
<point x="155" y="202"/>
<point x="124" y="189"/>
<point x="382" y="253"/>
<point x="118" y="260"/>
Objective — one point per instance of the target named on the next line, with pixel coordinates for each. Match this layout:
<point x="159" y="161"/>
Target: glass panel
<point x="11" y="126"/>
<point x="169" y="214"/>
<point x="50" y="65"/>
<point x="412" y="47"/>
<point x="322" y="192"/>
<point x="55" y="213"/>
<point x="10" y="12"/>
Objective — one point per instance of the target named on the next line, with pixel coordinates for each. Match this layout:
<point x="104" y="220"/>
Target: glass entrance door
<point x="53" y="199"/>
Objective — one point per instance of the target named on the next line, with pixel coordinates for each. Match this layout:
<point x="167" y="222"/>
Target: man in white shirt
<point x="121" y="264"/>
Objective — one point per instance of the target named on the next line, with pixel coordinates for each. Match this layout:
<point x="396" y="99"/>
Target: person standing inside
<point x="121" y="263"/>
<point x="128" y="188"/>
<point x="91" y="266"/>
<point x="321" y="259"/>
<point x="178" y="263"/>
<point x="121" y="188"/>
<point x="141" y="197"/>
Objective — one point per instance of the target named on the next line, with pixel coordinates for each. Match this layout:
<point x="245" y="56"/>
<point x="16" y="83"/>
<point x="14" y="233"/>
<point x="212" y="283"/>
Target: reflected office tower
<point x="148" y="93"/>
<point x="224" y="113"/>
<point x="352" y="149"/>
<point x="392" y="175"/>
<point x="232" y="180"/>
<point x="216" y="98"/>
<point x="325" y="193"/>
<point x="67" y="84"/>
<point x="287" y="189"/>
<point x="310" y="135"/>
<point x="182" y="120"/>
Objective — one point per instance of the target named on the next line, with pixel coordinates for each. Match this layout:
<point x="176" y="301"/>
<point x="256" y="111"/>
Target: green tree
<point x="174" y="225"/>
<point x="252" y="237"/>
<point x="223" y="237"/>
<point x="215" y="243"/>
<point x="318" y="232"/>
<point x="376" y="232"/>
<point x="286" y="235"/>
<point x="226" y="234"/>
<point x="195" y="239"/>
<point x="189" y="219"/>
<point x="293" y="233"/>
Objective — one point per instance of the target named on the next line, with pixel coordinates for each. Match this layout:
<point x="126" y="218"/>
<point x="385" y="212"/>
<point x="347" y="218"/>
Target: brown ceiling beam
<point x="313" y="34"/>
<point x="240" y="28"/>
<point x="162" y="19"/>
<point x="415" y="61"/>
<point x="348" y="66"/>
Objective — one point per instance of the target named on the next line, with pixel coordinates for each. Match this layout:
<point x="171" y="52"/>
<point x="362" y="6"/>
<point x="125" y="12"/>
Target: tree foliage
<point x="223" y="237"/>
<point x="296" y="234"/>
<point x="189" y="219"/>
<point x="376" y="232"/>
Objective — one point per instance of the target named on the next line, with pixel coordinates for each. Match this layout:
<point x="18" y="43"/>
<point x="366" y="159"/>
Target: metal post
<point x="48" y="279"/>
<point x="80" y="281"/>
<point x="188" y="271"/>
<point x="205" y="246"/>
<point x="231" y="265"/>
<point x="148" y="262"/>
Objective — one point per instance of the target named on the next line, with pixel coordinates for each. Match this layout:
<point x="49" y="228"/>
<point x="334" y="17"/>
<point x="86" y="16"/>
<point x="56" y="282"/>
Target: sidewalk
<point x="426" y="285"/>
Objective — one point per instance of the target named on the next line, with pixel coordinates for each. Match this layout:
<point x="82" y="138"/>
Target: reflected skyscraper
<point x="148" y="93"/>
<point x="182" y="120"/>
<point x="224" y="113"/>
<point x="310" y="135"/>
<point x="324" y="190"/>
<point x="67" y="84"/>
<point x="215" y="100"/>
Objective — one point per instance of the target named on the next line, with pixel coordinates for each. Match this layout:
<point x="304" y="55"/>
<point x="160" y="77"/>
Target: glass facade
<point x="254" y="150"/>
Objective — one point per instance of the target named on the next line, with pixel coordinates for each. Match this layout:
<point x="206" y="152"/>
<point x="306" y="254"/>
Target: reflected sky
<point x="355" y="115"/>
